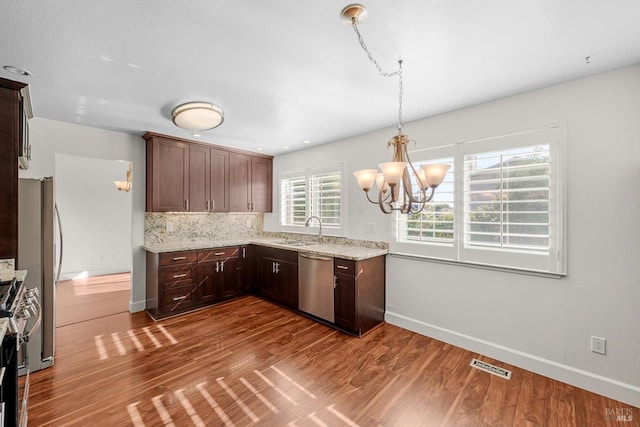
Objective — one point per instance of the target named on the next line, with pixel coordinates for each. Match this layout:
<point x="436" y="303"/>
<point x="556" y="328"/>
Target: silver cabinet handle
<point x="208" y="206"/>
<point x="180" y="298"/>
<point x="248" y="206"/>
<point x="178" y="258"/>
<point x="217" y="266"/>
<point x="277" y="267"/>
<point x="244" y="255"/>
<point x="342" y="267"/>
<point x="186" y="205"/>
<point x="179" y="276"/>
<point x="321" y="258"/>
<point x="222" y="266"/>
<point x="219" y="253"/>
<point x="273" y="267"/>
<point x="213" y="205"/>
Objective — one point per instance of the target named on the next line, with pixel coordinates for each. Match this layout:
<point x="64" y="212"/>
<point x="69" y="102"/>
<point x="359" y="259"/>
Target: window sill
<point x="480" y="266"/>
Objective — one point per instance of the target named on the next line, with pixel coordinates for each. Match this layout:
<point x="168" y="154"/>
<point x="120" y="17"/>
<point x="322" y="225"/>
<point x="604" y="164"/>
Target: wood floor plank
<point x="248" y="362"/>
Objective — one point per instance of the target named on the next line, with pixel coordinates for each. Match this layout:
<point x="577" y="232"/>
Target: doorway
<point x="96" y="219"/>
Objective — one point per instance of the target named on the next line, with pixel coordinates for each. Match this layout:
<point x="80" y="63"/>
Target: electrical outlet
<point x="598" y="345"/>
<point x="169" y="227"/>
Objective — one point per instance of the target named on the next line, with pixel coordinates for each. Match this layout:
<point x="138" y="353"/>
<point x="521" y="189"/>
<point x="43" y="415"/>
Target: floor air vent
<point x="492" y="369"/>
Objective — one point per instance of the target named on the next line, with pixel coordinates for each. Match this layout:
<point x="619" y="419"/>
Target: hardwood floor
<point x="88" y="298"/>
<point x="250" y="362"/>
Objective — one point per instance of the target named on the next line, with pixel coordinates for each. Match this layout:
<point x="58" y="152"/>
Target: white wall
<point x="541" y="324"/>
<point x="96" y="217"/>
<point x="49" y="137"/>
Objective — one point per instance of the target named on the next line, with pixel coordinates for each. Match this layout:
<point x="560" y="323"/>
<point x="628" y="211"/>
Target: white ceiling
<point x="285" y="71"/>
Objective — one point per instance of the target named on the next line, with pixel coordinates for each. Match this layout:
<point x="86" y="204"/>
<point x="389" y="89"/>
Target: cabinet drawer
<point x="177" y="299"/>
<point x="216" y="254"/>
<point x="176" y="276"/>
<point x="279" y="254"/>
<point x="171" y="258"/>
<point x="344" y="266"/>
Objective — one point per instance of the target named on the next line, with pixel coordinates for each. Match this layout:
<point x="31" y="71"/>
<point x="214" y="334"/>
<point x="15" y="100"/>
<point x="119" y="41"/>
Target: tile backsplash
<point x="197" y="227"/>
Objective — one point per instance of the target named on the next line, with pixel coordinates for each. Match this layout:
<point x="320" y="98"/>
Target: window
<point x="500" y="205"/>
<point x="313" y="192"/>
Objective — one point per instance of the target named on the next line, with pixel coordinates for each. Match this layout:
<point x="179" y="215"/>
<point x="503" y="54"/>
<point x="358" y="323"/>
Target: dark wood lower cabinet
<point x="182" y="281"/>
<point x="279" y="276"/>
<point x="359" y="294"/>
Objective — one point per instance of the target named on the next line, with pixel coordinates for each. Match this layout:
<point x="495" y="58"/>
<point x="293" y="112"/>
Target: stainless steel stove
<point x="21" y="310"/>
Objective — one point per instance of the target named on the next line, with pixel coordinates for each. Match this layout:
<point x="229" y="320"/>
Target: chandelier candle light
<point x="395" y="174"/>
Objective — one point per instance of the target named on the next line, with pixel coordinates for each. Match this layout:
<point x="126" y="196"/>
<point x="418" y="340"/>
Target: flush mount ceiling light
<point x="16" y="70"/>
<point x="197" y="116"/>
<point x="399" y="173"/>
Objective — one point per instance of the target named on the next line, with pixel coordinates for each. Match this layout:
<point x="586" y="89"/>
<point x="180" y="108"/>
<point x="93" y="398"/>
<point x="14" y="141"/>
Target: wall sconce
<point x="124" y="185"/>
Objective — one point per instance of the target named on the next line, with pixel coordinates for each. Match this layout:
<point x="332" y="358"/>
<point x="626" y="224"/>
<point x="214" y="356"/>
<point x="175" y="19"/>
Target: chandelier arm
<point x="369" y="198"/>
<point x="382" y="202"/>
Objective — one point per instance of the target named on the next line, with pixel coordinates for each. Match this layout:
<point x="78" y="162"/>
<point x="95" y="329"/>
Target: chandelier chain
<point x="382" y="73"/>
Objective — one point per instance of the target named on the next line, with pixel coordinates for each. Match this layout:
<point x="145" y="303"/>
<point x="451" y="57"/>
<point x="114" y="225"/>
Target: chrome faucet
<point x="306" y="224"/>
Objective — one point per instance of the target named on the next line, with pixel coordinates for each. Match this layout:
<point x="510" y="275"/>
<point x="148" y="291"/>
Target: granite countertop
<point x="350" y="251"/>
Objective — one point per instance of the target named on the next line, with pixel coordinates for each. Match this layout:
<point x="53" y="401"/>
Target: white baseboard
<point x="137" y="306"/>
<point x="91" y="273"/>
<point x="608" y="387"/>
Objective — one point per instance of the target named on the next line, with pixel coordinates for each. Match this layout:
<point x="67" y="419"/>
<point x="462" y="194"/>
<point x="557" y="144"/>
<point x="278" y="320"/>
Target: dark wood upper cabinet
<point x="167" y="175"/>
<point x="187" y="176"/>
<point x="250" y="183"/>
<point x="11" y="134"/>
<point x="261" y="184"/>
<point x="219" y="178"/>
<point x="239" y="182"/>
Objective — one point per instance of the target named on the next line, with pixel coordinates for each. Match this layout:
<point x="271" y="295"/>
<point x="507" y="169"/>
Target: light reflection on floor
<point x="318" y="415"/>
<point x="124" y="346"/>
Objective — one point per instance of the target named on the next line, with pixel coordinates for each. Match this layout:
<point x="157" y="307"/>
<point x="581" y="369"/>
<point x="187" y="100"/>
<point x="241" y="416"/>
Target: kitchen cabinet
<point x="250" y="183"/>
<point x="279" y="275"/>
<point x="218" y="275"/>
<point x="171" y="282"/>
<point x="185" y="176"/>
<point x="167" y="174"/>
<point x="359" y="294"/>
<point x="250" y="274"/>
<point x="13" y="104"/>
<point x="208" y="179"/>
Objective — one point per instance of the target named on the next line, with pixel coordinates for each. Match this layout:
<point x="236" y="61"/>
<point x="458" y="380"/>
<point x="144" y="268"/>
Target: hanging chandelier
<point x="396" y="175"/>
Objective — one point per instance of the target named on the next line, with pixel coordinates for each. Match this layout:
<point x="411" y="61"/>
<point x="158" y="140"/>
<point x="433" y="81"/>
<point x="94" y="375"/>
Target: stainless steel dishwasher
<point x="315" y="285"/>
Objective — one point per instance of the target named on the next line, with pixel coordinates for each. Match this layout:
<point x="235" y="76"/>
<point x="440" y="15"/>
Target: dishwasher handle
<point x="320" y="258"/>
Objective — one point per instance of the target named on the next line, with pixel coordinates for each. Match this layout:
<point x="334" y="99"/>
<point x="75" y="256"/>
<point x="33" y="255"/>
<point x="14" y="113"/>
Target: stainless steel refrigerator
<point x="40" y="253"/>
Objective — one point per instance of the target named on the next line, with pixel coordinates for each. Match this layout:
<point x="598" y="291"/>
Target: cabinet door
<point x="219" y="199"/>
<point x="345" y="301"/>
<point x="261" y="185"/>
<point x="288" y="283"/>
<point x="239" y="182"/>
<point x="250" y="274"/>
<point x="268" y="278"/>
<point x="170" y="175"/>
<point x="207" y="282"/>
<point x="230" y="277"/>
<point x="10" y="113"/>
<point x="199" y="182"/>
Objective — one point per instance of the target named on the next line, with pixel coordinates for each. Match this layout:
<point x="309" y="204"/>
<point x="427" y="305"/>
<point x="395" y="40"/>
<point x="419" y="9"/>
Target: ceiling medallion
<point x="399" y="173"/>
<point x="197" y="116"/>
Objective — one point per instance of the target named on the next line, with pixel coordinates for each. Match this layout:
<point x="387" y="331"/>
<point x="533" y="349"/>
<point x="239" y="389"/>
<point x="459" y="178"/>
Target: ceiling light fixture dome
<point x="197" y="116"/>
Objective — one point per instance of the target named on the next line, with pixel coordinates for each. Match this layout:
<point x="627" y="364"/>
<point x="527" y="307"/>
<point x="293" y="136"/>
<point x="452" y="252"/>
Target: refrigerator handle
<point x="61" y="246"/>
